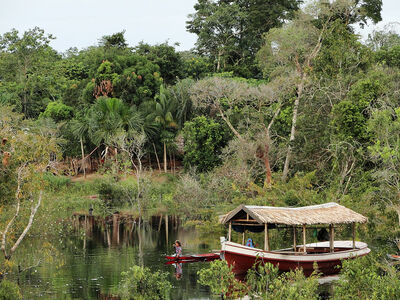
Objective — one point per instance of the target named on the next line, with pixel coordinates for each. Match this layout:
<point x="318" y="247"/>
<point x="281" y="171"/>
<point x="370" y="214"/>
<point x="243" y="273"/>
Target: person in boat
<point x="178" y="248"/>
<point x="250" y="243"/>
<point x="323" y="235"/>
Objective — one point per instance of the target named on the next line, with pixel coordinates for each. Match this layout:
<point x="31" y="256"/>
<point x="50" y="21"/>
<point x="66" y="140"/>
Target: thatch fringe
<point x="328" y="213"/>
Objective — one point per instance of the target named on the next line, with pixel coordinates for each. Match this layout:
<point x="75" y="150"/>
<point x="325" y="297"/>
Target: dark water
<point x="87" y="264"/>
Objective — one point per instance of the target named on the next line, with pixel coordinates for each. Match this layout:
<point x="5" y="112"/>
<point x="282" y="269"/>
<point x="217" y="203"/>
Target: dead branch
<point x="29" y="225"/>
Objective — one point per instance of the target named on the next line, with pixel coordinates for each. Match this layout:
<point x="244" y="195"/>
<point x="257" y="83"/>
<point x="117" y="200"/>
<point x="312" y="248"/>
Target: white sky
<point x="80" y="23"/>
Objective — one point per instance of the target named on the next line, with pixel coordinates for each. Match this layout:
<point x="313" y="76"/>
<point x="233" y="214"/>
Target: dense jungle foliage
<point x="284" y="106"/>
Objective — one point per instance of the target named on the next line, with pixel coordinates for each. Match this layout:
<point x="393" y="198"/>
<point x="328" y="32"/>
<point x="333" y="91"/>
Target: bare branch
<point x="10" y="223"/>
<point x="29" y="225"/>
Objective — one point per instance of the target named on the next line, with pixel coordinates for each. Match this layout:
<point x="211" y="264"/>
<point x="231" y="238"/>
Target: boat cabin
<point x="327" y="255"/>
<point x="248" y="218"/>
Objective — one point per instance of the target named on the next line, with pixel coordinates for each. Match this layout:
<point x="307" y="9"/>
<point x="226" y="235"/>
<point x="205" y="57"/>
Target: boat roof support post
<point x="354" y="234"/>
<point x="230" y="232"/>
<point x="266" y="237"/>
<point x="294" y="238"/>
<point x="304" y="238"/>
<point x="331" y="238"/>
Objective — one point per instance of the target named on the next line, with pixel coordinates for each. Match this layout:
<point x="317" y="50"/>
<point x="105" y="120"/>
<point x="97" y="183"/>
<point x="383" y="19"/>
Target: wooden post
<point x="304" y="239"/>
<point x="166" y="228"/>
<point x="230" y="231"/>
<point x="354" y="235"/>
<point x="158" y="161"/>
<point x="331" y="238"/>
<point x="266" y="238"/>
<point x="159" y="223"/>
<point x="83" y="165"/>
<point x="243" y="236"/>
<point x="294" y="239"/>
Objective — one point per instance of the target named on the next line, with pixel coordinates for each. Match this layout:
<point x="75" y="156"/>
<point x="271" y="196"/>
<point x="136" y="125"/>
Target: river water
<point x="87" y="264"/>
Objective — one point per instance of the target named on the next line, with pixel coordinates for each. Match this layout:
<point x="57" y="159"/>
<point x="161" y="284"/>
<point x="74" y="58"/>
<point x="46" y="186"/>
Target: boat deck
<point x="322" y="248"/>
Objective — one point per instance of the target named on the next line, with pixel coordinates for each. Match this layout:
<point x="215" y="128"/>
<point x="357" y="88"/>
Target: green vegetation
<point x="263" y="280"/>
<point x="368" y="277"/>
<point x="141" y="283"/>
<point x="277" y="105"/>
<point x="9" y="291"/>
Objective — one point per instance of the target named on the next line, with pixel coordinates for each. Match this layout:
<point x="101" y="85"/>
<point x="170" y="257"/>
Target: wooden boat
<point x="394" y="257"/>
<point x="326" y="254"/>
<point x="195" y="257"/>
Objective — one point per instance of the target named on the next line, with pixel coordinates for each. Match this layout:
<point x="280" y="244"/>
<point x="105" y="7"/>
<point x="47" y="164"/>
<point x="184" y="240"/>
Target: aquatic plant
<point x="141" y="283"/>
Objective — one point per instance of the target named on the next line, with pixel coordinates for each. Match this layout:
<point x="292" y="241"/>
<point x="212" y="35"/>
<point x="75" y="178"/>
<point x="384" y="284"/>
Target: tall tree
<point x="164" y="114"/>
<point x="291" y="51"/>
<point x="166" y="57"/>
<point x="230" y="31"/>
<point x="27" y="63"/>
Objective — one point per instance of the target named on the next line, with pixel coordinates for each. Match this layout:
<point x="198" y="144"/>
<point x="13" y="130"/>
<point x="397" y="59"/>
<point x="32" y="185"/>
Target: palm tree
<point x="110" y="116"/>
<point x="106" y="119"/>
<point x="80" y="129"/>
<point x="164" y="109"/>
<point x="181" y="94"/>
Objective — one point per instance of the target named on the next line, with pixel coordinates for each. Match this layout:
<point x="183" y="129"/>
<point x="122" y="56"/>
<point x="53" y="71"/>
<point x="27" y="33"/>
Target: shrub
<point x="367" y="278"/>
<point x="264" y="280"/>
<point x="204" y="140"/>
<point x="221" y="280"/>
<point x="141" y="283"/>
<point x="58" y="111"/>
<point x="56" y="183"/>
<point x="9" y="291"/>
<point x="114" y="193"/>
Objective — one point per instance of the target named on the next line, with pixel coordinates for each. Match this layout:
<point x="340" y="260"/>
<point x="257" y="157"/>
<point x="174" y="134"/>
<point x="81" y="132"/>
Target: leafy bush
<point x="367" y="278"/>
<point x="116" y="194"/>
<point x="204" y="140"/>
<point x="264" y="280"/>
<point x="141" y="283"/>
<point x="9" y="290"/>
<point x="221" y="280"/>
<point x="58" y="111"/>
<point x="56" y="183"/>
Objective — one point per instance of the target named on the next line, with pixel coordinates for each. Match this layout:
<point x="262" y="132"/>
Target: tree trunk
<point x="174" y="162"/>
<point x="235" y="132"/>
<point x="267" y="182"/>
<point x="165" y="158"/>
<point x="28" y="226"/>
<point x="170" y="160"/>
<point x="158" y="161"/>
<point x="83" y="159"/>
<point x="293" y="130"/>
<point x="219" y="61"/>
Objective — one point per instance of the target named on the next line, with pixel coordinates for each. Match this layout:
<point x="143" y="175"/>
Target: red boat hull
<point x="243" y="258"/>
<point x="241" y="264"/>
<point x="195" y="257"/>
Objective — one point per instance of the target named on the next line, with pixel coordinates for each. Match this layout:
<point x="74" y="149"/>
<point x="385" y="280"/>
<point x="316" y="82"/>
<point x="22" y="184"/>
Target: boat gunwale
<point x="300" y="256"/>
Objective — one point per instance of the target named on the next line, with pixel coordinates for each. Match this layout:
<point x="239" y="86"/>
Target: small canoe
<point x="195" y="257"/>
<point x="394" y="257"/>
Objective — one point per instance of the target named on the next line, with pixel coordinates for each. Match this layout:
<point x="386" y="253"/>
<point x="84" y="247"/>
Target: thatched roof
<point x="328" y="213"/>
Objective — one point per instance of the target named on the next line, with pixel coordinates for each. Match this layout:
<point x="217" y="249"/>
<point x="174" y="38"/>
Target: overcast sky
<point x="80" y="23"/>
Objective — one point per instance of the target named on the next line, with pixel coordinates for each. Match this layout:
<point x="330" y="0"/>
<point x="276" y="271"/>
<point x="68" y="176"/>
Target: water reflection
<point x="87" y="264"/>
<point x="178" y="270"/>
